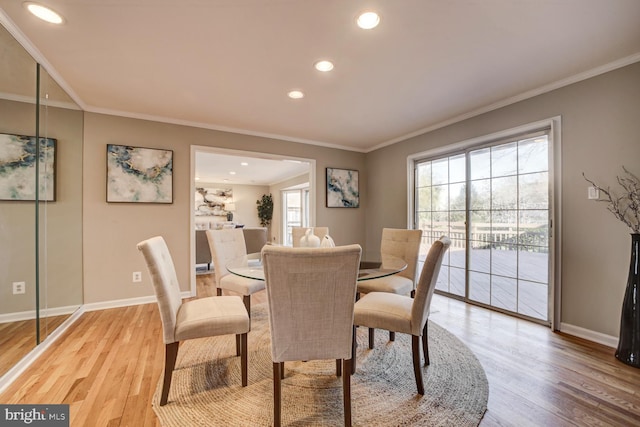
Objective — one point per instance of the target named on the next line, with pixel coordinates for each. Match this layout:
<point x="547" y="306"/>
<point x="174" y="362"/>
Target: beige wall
<point x="112" y="230"/>
<point x="600" y="132"/>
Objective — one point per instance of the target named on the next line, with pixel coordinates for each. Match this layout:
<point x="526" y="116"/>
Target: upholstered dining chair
<point x="226" y="245"/>
<point x="403" y="244"/>
<point x="298" y="232"/>
<point x="199" y="318"/>
<point x="254" y="238"/>
<point x="311" y="294"/>
<point x="401" y="313"/>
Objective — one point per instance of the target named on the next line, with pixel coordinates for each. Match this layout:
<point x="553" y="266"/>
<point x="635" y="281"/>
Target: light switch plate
<point x="593" y="193"/>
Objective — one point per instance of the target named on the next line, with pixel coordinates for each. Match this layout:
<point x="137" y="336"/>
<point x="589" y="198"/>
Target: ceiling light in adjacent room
<point x="244" y="164"/>
<point x="295" y="94"/>
<point x="44" y="13"/>
<point x="323" y="66"/>
<point x="368" y="20"/>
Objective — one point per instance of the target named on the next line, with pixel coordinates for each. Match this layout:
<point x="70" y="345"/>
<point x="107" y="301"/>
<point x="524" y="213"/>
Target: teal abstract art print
<point x="20" y="160"/>
<point x="139" y="175"/>
<point x="342" y="188"/>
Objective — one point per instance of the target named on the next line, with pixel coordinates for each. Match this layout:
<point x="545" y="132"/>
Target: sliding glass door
<point x="493" y="202"/>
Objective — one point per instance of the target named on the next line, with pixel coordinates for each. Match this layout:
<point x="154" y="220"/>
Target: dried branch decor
<point x="625" y="207"/>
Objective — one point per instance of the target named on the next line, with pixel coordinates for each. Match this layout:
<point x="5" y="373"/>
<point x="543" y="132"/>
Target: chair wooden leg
<point x="353" y="351"/>
<point x="425" y="344"/>
<point x="247" y="304"/>
<point x="372" y="337"/>
<point x="281" y="370"/>
<point x="392" y="336"/>
<point x="171" y="354"/>
<point x="346" y="391"/>
<point x="338" y="367"/>
<point x="244" y="353"/>
<point x="219" y="292"/>
<point x="417" y="369"/>
<point x="276" y="394"/>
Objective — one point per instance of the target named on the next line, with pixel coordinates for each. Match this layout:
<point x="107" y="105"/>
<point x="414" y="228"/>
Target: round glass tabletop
<point x="250" y="266"/>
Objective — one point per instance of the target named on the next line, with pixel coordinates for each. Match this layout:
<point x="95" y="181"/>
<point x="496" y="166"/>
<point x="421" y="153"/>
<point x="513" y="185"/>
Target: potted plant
<point x="265" y="209"/>
<point x="626" y="207"/>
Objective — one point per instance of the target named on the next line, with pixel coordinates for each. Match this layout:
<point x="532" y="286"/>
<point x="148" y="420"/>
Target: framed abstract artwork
<point x="342" y="188"/>
<point x="139" y="175"/>
<point x="18" y="159"/>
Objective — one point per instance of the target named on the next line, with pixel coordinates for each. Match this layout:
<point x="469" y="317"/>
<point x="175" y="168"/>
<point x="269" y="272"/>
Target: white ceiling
<point x="228" y="64"/>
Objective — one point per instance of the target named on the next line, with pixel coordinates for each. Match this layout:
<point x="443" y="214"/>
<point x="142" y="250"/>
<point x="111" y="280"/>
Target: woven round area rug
<point x="206" y="388"/>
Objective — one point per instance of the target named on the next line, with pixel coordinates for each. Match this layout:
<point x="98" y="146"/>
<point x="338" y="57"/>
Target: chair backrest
<point x="298" y="232"/>
<point x="165" y="283"/>
<point x="203" y="253"/>
<point x="311" y="294"/>
<point x="225" y="245"/>
<point x="405" y="244"/>
<point x="427" y="284"/>
<point x="255" y="238"/>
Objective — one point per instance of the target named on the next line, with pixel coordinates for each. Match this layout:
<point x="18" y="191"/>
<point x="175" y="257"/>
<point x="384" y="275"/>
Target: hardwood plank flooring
<point x="108" y="363"/>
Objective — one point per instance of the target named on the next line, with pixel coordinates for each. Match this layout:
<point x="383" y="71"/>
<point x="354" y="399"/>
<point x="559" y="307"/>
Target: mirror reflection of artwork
<point x="18" y="168"/>
<point x="212" y="201"/>
<point x="139" y="175"/>
<point x="342" y="188"/>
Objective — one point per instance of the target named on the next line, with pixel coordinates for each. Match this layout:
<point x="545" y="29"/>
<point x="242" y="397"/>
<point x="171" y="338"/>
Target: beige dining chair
<point x="311" y="294"/>
<point x="298" y="232"/>
<point x="226" y="245"/>
<point x="403" y="244"/>
<point x="184" y="320"/>
<point x="401" y="313"/>
<point x="254" y="238"/>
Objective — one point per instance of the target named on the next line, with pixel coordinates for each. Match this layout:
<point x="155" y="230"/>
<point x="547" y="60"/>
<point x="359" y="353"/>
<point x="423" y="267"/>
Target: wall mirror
<point x="40" y="240"/>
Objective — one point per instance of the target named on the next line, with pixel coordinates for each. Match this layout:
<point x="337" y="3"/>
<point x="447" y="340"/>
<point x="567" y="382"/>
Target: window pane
<point x="480" y="226"/>
<point x="504" y="193"/>
<point x="534" y="228"/>
<point x="424" y="174"/>
<point x="504" y="260"/>
<point x="456" y="281"/>
<point x="480" y="287"/>
<point x="457" y="253"/>
<point x="533" y="264"/>
<point x="504" y="226"/>
<point x="440" y="223"/>
<point x="533" y="155"/>
<point x="480" y="257"/>
<point x="480" y="163"/>
<point x="534" y="191"/>
<point x="424" y="198"/>
<point x="440" y="197"/>
<point x="457" y="197"/>
<point x="456" y="225"/>
<point x="424" y="221"/>
<point x="533" y="299"/>
<point x="480" y="197"/>
<point x="504" y="292"/>
<point x="442" y="283"/>
<point x="440" y="170"/>
<point x="504" y="159"/>
<point x="457" y="168"/>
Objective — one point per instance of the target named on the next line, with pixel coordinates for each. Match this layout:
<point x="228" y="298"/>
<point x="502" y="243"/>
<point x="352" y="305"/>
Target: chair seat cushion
<point x="211" y="316"/>
<point x="393" y="284"/>
<point x="382" y="310"/>
<point x="241" y="285"/>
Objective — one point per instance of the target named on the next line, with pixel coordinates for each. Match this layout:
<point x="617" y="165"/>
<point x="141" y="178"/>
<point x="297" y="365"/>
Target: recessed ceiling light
<point x="232" y="173"/>
<point x="295" y="94"/>
<point x="44" y="13"/>
<point x="244" y="164"/>
<point x="368" y="20"/>
<point x="197" y="178"/>
<point x="324" y="66"/>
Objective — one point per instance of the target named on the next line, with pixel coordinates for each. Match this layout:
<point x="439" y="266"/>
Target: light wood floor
<point x="107" y="365"/>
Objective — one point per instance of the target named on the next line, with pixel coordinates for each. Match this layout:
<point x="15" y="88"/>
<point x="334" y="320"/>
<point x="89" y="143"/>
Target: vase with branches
<point x="624" y="204"/>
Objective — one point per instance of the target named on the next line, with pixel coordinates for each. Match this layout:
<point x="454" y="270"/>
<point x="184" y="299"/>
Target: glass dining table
<point x="250" y="266"/>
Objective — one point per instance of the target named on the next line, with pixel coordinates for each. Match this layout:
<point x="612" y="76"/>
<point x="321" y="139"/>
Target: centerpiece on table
<point x="625" y="205"/>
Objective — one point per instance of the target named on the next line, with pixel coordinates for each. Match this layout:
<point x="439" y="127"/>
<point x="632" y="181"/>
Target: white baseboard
<point x="127" y="302"/>
<point x="587" y="334"/>
<point x="31" y="314"/>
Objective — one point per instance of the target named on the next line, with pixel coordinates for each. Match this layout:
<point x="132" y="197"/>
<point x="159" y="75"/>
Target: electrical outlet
<point x="19" y="288"/>
<point x="137" y="276"/>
